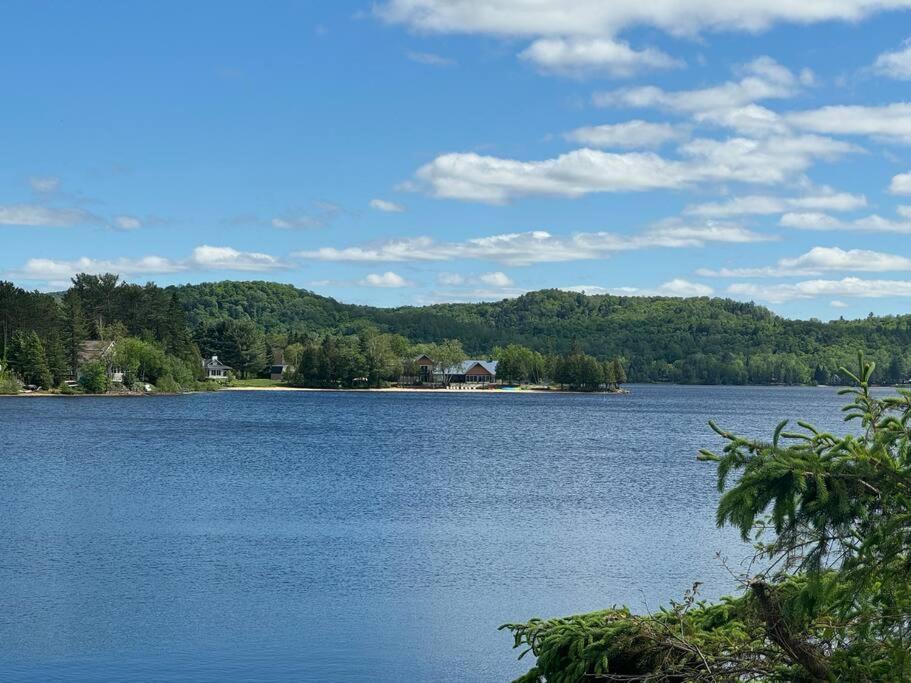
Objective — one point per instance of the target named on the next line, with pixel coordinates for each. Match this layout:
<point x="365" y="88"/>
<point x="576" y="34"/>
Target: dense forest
<point x="41" y="334"/>
<point x="551" y="335"/>
<point x="660" y="339"/>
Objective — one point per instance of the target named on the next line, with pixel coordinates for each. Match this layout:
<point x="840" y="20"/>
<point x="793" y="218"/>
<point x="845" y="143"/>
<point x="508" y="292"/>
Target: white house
<point x="215" y="369"/>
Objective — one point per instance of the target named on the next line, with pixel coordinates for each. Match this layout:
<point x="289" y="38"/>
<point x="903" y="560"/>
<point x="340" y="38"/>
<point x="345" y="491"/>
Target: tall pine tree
<point x="75" y="328"/>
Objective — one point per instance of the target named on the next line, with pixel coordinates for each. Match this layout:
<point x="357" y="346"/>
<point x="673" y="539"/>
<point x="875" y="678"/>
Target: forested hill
<point x="698" y="340"/>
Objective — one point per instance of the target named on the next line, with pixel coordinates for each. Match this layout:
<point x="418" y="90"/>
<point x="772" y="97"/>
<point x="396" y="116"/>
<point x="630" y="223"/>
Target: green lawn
<point x="256" y="383"/>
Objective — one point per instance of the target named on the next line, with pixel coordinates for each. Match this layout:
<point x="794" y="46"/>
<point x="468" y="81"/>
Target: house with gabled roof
<point x="424" y="364"/>
<point x="473" y="372"/>
<point x="214" y="369"/>
<point x="101" y="351"/>
<point x="467" y="372"/>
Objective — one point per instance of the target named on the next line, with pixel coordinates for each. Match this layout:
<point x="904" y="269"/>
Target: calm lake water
<point x="350" y="536"/>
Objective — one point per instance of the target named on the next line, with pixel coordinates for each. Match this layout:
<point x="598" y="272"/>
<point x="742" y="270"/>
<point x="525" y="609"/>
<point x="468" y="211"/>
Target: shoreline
<point x="411" y="390"/>
<point x="384" y="390"/>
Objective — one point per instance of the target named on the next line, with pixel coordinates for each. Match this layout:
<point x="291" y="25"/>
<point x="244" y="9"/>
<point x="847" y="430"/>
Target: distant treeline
<point x="660" y="339"/>
<point x="563" y="336"/>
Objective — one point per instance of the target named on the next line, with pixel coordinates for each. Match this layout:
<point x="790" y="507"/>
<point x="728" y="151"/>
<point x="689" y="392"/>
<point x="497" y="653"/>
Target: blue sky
<point x="416" y="151"/>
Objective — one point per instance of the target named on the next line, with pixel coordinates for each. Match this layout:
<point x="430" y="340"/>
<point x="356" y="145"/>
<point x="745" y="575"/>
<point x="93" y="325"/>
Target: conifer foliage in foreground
<point x="831" y="520"/>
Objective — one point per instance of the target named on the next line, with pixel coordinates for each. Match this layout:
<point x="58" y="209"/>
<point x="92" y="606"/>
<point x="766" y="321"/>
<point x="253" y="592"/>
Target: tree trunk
<point x="794" y="646"/>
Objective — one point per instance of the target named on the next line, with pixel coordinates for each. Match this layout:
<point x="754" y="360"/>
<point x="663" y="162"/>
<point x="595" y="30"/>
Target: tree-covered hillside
<point x="699" y="340"/>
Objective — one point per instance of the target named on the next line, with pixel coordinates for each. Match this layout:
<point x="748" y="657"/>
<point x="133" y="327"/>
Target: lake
<point x="321" y="536"/>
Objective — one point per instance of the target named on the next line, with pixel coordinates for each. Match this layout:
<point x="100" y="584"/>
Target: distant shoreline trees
<point x="562" y="337"/>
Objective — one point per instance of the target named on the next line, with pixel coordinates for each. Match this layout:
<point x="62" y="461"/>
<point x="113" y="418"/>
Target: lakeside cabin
<point x="215" y="369"/>
<point x="279" y="367"/>
<point x="98" y="350"/>
<point x="469" y="372"/>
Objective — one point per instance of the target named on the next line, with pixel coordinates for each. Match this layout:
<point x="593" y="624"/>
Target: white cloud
<point x="890" y="121"/>
<point x="204" y="257"/>
<point x="677" y="287"/>
<point x="895" y="64"/>
<point x="577" y="56"/>
<point x="763" y="78"/>
<point x="227" y="258"/>
<point x="496" y="279"/>
<point x="901" y="184"/>
<point x="903" y="210"/>
<point x="386" y="206"/>
<point x="834" y="258"/>
<point x="44" y="184"/>
<point x="51" y="269"/>
<point x="403" y="250"/>
<point x="528" y="18"/>
<point x="676" y="233"/>
<point x="771" y="160"/>
<point x="876" y="223"/>
<point x="472" y="177"/>
<point x="631" y="134"/>
<point x="572" y="37"/>
<point x="763" y="205"/>
<point x="491" y="179"/>
<point x="812" y="220"/>
<point x="852" y="287"/>
<point x="34" y="215"/>
<point x="387" y="279"/>
<point x="751" y="119"/>
<point x="820" y="260"/>
<point x="835" y="303"/>
<point x="526" y="248"/>
<point x="430" y="59"/>
<point x="125" y="222"/>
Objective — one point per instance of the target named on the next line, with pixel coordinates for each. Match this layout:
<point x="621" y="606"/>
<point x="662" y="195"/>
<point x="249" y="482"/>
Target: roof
<point x="215" y="364"/>
<point x="93" y="349"/>
<point x="466" y="365"/>
<point x="422" y="357"/>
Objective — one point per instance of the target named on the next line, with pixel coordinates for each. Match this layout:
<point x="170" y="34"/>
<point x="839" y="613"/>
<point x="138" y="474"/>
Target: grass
<point x="256" y="382"/>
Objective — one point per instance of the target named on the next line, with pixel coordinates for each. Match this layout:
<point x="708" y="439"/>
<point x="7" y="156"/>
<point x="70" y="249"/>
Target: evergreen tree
<point x="56" y="356"/>
<point x="74" y="329"/>
<point x="28" y="360"/>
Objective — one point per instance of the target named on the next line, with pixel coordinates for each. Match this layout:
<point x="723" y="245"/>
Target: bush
<point x="9" y="384"/>
<point x="66" y="389"/>
<point x="94" y="378"/>
<point x="167" y="385"/>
